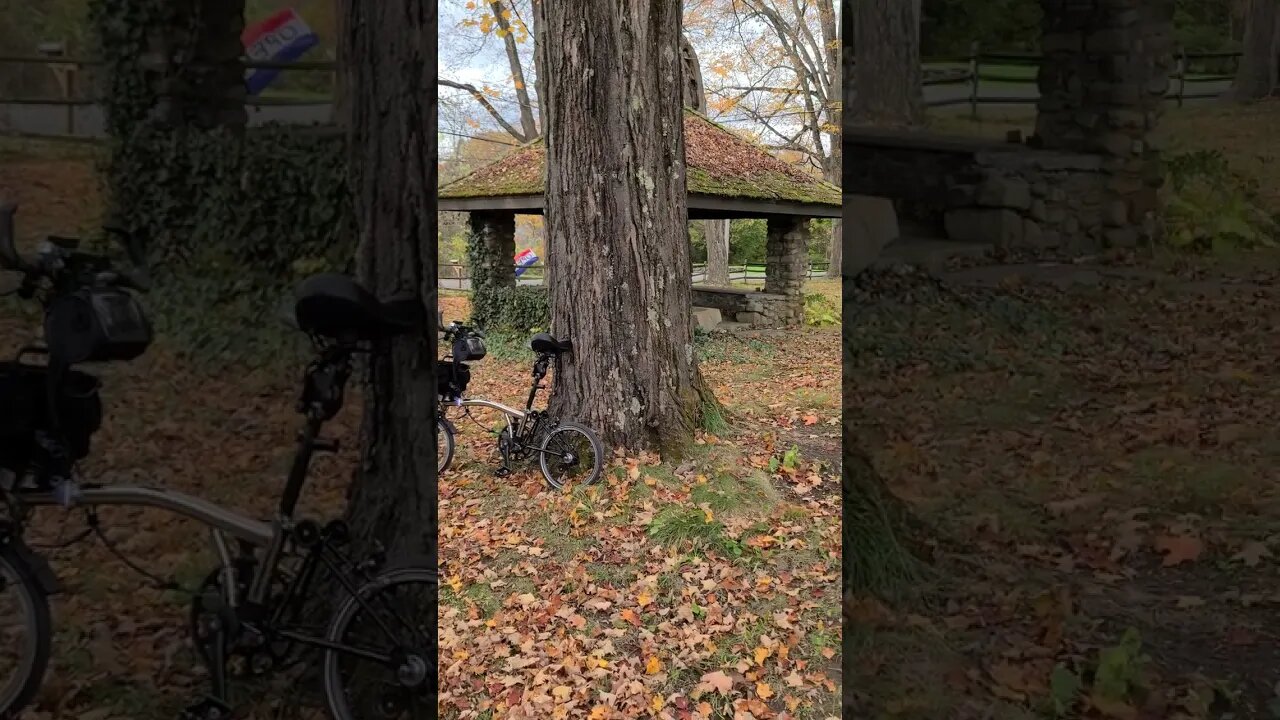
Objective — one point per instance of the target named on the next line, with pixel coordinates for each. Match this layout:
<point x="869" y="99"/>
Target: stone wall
<point x="1031" y="200"/>
<point x="1003" y="194"/>
<point x="1088" y="179"/>
<point x="759" y="309"/>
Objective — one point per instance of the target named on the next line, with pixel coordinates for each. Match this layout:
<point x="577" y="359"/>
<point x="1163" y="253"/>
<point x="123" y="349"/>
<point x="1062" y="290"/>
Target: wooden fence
<point x="968" y="71"/>
<point x="68" y="72"/>
<point x="457" y="276"/>
<point x="972" y="70"/>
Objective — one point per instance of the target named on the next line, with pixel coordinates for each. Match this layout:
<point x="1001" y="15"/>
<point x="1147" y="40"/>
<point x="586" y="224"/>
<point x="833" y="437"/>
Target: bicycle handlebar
<point x="9" y="256"/>
<point x="49" y="264"/>
<point x="456" y="328"/>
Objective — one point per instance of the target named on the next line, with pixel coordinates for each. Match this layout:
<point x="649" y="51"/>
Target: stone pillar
<point x="1105" y="73"/>
<point x="787" y="263"/>
<point x="492" y="255"/>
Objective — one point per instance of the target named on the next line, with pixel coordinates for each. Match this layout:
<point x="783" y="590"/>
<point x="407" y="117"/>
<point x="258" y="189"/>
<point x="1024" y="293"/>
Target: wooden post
<point x="975" y="80"/>
<point x="68" y="94"/>
<point x="1182" y="74"/>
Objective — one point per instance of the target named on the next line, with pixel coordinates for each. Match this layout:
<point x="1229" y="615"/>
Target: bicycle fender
<point x="39" y="568"/>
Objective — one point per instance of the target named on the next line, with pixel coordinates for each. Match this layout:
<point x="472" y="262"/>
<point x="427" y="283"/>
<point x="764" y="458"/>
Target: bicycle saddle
<point x="545" y="343"/>
<point x="335" y="306"/>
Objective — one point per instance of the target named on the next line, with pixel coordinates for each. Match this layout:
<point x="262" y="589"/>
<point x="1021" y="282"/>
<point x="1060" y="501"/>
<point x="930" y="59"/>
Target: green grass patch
<point x="725" y="493"/>
<point x="679" y="526"/>
<point x="713" y="419"/>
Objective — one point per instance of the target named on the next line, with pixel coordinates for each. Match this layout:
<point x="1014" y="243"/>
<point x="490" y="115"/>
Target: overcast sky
<point x="467" y="57"/>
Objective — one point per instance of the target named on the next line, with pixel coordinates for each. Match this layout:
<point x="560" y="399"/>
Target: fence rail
<point x="79" y="109"/>
<point x="457" y="276"/>
<point x="972" y="76"/>
<point x="67" y="71"/>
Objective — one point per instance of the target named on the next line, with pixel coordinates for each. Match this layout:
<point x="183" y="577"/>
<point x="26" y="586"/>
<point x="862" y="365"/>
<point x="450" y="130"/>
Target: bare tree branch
<point x="488" y="106"/>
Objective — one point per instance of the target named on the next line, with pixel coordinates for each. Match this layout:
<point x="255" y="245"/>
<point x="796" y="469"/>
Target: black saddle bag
<point x="72" y="418"/>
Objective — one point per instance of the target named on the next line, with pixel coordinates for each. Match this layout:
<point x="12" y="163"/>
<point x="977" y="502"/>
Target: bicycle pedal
<point x="207" y="709"/>
<point x="502" y="472"/>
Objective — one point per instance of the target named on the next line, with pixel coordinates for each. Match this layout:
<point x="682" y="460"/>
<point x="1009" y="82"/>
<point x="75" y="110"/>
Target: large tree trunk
<point x="835" y="254"/>
<point x="717" y="234"/>
<point x="390" y="53"/>
<point x="1257" y="76"/>
<point x="616" y="241"/>
<point x="887" y="73"/>
<point x="874" y="521"/>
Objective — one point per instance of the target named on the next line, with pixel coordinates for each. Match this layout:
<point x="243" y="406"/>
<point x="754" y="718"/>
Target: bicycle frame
<point x="321" y="399"/>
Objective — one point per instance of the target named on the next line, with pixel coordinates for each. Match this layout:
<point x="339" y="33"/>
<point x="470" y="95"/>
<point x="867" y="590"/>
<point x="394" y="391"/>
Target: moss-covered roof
<point x="719" y="163"/>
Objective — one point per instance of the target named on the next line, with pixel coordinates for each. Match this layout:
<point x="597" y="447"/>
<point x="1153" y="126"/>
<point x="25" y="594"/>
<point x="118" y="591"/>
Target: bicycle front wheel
<point x="571" y="455"/>
<point x="382" y="663"/>
<point x="25" y="632"/>
<point x="444" y="444"/>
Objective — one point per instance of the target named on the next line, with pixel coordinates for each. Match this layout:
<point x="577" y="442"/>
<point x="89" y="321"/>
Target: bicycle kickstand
<point x="505" y="468"/>
<point x="213" y="635"/>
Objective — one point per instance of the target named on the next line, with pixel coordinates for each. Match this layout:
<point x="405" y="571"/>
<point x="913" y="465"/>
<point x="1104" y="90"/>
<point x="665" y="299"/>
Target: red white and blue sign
<point x="282" y="37"/>
<point x="524" y="260"/>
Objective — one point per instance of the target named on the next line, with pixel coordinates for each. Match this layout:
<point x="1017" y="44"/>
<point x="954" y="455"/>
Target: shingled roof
<point x="727" y="176"/>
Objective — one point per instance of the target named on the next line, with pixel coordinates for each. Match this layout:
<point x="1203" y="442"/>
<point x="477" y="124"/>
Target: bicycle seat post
<point x="539" y="372"/>
<point x="321" y="399"/>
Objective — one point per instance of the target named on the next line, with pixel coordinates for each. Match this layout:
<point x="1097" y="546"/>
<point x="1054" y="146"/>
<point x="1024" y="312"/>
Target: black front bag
<point x="96" y="325"/>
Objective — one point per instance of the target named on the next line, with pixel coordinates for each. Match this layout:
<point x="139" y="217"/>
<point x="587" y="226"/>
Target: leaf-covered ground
<point x="699" y="588"/>
<point x="1094" y="453"/>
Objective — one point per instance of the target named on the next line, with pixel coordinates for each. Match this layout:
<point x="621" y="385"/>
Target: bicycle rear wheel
<point x="25" y="632"/>
<point x="571" y="455"/>
<point x="392" y="617"/>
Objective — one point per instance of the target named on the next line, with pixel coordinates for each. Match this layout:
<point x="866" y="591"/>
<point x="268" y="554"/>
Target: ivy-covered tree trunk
<point x="390" y="51"/>
<point x="616" y="238"/>
<point x="206" y="88"/>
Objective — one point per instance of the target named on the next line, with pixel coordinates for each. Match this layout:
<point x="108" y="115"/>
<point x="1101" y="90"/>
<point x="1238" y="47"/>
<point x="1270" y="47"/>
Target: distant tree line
<point x="950" y="26"/>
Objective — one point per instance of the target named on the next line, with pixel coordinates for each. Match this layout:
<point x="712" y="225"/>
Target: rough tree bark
<point x="716" y="232"/>
<point x="717" y="235"/>
<point x="390" y="48"/>
<point x="615" y="215"/>
<point x="887" y="74"/>
<point x="205" y="87"/>
<point x="875" y="522"/>
<point x="1257" y="75"/>
<point x="839" y="62"/>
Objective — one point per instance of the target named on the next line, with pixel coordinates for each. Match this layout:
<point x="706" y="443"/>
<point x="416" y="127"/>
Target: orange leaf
<point x="718" y="681"/>
<point x="630" y="616"/>
<point x="653" y="665"/>
<point x="1178" y="549"/>
<point x="762" y="654"/>
<point x="763" y="690"/>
